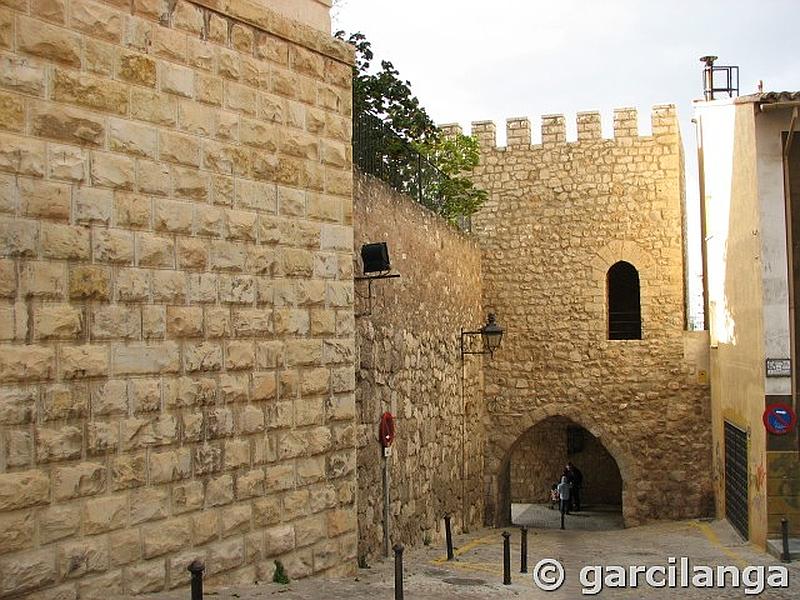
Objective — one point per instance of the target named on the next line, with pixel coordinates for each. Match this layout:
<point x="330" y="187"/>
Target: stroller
<point x="554" y="497"/>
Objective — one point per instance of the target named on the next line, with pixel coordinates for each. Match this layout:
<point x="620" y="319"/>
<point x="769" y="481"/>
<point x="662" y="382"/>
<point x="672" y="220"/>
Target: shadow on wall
<point x="538" y="458"/>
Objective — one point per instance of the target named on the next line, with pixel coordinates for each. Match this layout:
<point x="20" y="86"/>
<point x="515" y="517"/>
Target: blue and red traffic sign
<point x="779" y="419"/>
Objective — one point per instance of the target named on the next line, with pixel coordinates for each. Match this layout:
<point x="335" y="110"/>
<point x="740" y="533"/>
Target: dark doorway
<point x="537" y="461"/>
<point x="624" y="304"/>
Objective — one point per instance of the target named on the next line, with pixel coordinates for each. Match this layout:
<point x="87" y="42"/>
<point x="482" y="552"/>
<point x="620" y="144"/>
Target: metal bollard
<point x="785" y="555"/>
<point x="562" y="517"/>
<point x="196" y="568"/>
<point x="448" y="534"/>
<point x="506" y="558"/>
<point x="398" y="572"/>
<point x="523" y="550"/>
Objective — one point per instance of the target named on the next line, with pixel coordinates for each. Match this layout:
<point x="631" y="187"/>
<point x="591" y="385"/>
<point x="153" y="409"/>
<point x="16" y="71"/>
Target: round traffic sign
<point x="779" y="419"/>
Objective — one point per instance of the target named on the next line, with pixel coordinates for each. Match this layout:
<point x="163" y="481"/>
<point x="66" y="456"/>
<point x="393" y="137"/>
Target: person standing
<point x="577" y="484"/>
<point x="563" y="495"/>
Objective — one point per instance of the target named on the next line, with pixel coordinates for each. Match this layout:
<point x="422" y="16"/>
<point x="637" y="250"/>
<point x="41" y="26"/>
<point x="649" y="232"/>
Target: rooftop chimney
<point x="731" y="78"/>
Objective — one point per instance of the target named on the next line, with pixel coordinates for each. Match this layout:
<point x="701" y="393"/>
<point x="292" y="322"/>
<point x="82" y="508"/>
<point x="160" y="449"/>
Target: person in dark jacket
<point x="577" y="484"/>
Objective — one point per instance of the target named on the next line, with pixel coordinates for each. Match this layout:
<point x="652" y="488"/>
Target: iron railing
<point x="380" y="152"/>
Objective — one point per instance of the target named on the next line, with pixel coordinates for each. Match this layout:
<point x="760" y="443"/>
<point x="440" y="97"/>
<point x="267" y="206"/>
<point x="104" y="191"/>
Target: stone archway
<point x="502" y="439"/>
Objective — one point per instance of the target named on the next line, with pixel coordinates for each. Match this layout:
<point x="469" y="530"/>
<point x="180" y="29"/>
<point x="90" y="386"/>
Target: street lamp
<point x="491" y="336"/>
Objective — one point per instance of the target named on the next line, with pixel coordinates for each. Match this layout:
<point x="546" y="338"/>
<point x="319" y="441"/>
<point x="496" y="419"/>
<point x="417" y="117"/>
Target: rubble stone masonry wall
<point x="176" y="321"/>
<point x="409" y="363"/>
<point x="560" y="214"/>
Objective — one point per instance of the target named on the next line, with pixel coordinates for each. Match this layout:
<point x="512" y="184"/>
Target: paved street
<point x="477" y="570"/>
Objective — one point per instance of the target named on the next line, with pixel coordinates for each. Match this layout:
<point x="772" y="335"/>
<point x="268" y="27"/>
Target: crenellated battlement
<point x="664" y="121"/>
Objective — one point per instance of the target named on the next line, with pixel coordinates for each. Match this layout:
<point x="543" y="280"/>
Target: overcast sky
<point x="471" y="60"/>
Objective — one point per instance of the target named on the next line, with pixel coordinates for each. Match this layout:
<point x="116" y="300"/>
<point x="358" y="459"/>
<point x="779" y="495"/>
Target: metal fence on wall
<point x="379" y="152"/>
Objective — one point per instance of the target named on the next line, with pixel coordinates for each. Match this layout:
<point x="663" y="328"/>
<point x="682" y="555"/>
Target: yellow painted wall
<point x="735" y="295"/>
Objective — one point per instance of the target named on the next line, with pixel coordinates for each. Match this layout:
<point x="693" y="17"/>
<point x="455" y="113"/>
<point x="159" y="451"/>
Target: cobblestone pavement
<point x="477" y="570"/>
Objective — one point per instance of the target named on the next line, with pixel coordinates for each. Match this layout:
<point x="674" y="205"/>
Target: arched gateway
<point x="501" y="446"/>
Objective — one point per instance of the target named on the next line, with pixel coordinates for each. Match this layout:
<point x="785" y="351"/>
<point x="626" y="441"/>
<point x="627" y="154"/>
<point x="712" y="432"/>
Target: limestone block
<point x="170" y="44"/>
<point x="101" y="437"/>
<point x="90" y="91"/>
<point x="217" y="322"/>
<point x="252" y="322"/>
<point x="181" y="149"/>
<point x="20" y="155"/>
<point x="59" y="522"/>
<point x="43" y="280"/>
<point x="303" y="352"/>
<point x="113" y="246"/>
<point x="89" y="283"/>
<point x="177" y="80"/>
<point x="125" y="547"/>
<point x="236" y="519"/>
<point x="100" y="588"/>
<point x="192" y="253"/>
<point x="140" y="359"/>
<point x="219" y="491"/>
<point x="155" y="251"/>
<point x="109" y="398"/>
<point x="64" y="242"/>
<point x="137" y="68"/>
<point x="209" y="89"/>
<point x="131" y="138"/>
<point x="166" y="536"/>
<point x="58" y="444"/>
<point x="190" y="183"/>
<point x="279" y="477"/>
<point x="12" y="112"/>
<point x="64" y="402"/>
<point x="250" y="485"/>
<point x="202" y="357"/>
<point x="207" y="459"/>
<point x="133" y="285"/>
<point x="26" y="571"/>
<point x="294" y="263"/>
<point x="96" y="20"/>
<point x="84" y="361"/>
<point x="116" y="322"/>
<point x="83" y="479"/>
<point x="101" y="515"/>
<point x="187" y="497"/>
<point x="264" y="386"/>
<point x="225" y="555"/>
<point x="206" y="527"/>
<point x="239" y="355"/>
<point x="16" y="531"/>
<point x="184" y="321"/>
<point x="139" y="433"/>
<point x="147" y="105"/>
<point x="18" y="237"/>
<point x="108" y="170"/>
<point x="149" y="504"/>
<point x="23" y="489"/>
<point x="46" y="41"/>
<point x="93" y="205"/>
<point x="166" y="467"/>
<point x="237" y="289"/>
<point x="26" y="363"/>
<point x="237" y="454"/>
<point x="128" y="470"/>
<point x="98" y="57"/>
<point x="146" y="577"/>
<point x="8" y="280"/>
<point x="240" y="98"/>
<point x="57" y="321"/>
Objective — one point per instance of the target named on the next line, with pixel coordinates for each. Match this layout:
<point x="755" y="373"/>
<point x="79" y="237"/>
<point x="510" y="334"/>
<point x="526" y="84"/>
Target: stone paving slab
<point x="477" y="570"/>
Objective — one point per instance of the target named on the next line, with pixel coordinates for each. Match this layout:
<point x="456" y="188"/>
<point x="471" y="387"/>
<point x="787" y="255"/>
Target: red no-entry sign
<point x="779" y="419"/>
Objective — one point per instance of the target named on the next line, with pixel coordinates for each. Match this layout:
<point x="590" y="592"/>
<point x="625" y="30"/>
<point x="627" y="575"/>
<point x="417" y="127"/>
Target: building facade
<point x="583" y="263"/>
<point x="750" y="189"/>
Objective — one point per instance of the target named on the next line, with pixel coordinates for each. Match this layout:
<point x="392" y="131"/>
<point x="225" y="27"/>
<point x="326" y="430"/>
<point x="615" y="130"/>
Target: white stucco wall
<point x="775" y="267"/>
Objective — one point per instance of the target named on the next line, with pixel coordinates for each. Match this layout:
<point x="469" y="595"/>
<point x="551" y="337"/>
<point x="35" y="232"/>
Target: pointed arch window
<point x="624" y="304"/>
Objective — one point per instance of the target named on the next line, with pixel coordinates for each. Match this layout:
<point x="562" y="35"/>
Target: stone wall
<point x="176" y="364"/>
<point x="410" y="365"/>
<point x="560" y="214"/>
<point x="538" y="459"/>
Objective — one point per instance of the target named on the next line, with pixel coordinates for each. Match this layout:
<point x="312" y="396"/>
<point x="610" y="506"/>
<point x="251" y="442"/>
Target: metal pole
<point x="448" y="536"/>
<point x="386" y="507"/>
<point x="523" y="550"/>
<point x="785" y="555"/>
<point x="398" y="572"/>
<point x="562" y="513"/>
<point x="196" y="568"/>
<point x="506" y="558"/>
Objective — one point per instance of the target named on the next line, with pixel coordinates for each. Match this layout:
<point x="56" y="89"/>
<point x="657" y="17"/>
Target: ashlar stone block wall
<point x="409" y="363"/>
<point x="176" y="321"/>
<point x="560" y="214"/>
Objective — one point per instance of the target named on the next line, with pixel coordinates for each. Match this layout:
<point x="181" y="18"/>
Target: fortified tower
<point x="583" y="262"/>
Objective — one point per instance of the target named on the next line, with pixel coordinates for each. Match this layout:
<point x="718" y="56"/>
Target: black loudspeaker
<point x="375" y="257"/>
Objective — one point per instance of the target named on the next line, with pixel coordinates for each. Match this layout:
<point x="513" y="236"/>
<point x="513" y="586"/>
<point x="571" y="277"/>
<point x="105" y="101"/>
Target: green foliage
<point x="280" y="575"/>
<point x="383" y="94"/>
